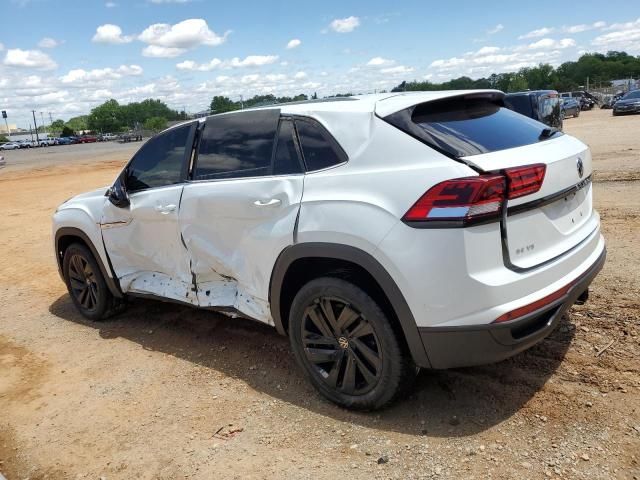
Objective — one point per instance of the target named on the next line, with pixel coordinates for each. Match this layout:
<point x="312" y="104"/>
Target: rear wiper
<point x="548" y="133"/>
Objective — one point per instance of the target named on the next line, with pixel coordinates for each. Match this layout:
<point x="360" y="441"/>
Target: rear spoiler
<point x="402" y="101"/>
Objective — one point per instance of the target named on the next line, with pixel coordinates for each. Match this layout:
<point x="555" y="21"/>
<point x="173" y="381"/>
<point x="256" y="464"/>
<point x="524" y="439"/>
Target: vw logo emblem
<point x="343" y="342"/>
<point x="580" y="166"/>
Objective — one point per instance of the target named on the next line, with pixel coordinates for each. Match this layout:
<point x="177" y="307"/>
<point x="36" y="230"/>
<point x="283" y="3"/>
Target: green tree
<point x="78" y="123"/>
<point x="220" y="104"/>
<point x="66" y="132"/>
<point x="56" y="127"/>
<point x="106" y="117"/>
<point x="155" y="124"/>
<point x="3" y="139"/>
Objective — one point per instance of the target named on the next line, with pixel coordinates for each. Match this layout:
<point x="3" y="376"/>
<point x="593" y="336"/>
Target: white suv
<point x="381" y="233"/>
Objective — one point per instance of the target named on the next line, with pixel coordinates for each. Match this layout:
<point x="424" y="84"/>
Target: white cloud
<point x="16" y="57"/>
<point x="397" y="70"/>
<point x="300" y="75"/>
<point x="345" y="25"/>
<point x="550" y="43"/>
<point x="109" y="33"/>
<point x="183" y="35"/>
<point x="193" y="66"/>
<point x="496" y="29"/>
<point x="622" y="36"/>
<point x="487" y="50"/>
<point x="249" y="61"/>
<point x="583" y="27"/>
<point x="82" y="77"/>
<point x="379" y="62"/>
<point x="155" y="51"/>
<point x="540" y="32"/>
<point x="294" y="43"/>
<point x="48" y="42"/>
<point x="111" y="4"/>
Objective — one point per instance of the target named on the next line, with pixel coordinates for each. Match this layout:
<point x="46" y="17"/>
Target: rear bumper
<point x="462" y="346"/>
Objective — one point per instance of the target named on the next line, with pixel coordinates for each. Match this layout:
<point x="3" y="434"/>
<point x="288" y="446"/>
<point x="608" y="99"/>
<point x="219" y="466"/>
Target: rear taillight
<point x="463" y="200"/>
<point x="525" y="180"/>
<point x="470" y="200"/>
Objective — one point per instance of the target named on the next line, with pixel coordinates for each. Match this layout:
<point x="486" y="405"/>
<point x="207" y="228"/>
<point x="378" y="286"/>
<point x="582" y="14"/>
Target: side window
<point x="237" y="145"/>
<point x="286" y="160"/>
<point x="160" y="161"/>
<point x="319" y="149"/>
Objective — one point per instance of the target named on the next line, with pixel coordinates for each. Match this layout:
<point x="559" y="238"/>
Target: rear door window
<point x="319" y="148"/>
<point x="237" y="145"/>
<point x="460" y="127"/>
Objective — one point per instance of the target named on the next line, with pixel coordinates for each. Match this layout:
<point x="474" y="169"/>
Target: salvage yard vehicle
<point x="379" y="232"/>
<point x="541" y="105"/>
<point x="10" y="146"/>
<point x="570" y="107"/>
<point x="630" y="103"/>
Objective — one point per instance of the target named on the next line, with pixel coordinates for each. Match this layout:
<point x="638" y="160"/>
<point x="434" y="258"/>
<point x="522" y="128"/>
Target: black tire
<point x="86" y="285"/>
<point x="346" y="345"/>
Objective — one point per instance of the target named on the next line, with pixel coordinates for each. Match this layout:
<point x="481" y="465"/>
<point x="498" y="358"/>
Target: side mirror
<point x="117" y="194"/>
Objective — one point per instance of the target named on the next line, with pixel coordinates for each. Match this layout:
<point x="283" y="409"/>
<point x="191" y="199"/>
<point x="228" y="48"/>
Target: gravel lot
<point x="164" y="391"/>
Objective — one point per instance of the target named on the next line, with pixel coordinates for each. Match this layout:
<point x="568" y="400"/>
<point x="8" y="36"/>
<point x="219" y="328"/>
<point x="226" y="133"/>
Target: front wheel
<point x="86" y="284"/>
<point x="347" y="346"/>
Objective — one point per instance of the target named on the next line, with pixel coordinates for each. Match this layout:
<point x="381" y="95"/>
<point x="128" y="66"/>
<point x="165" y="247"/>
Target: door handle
<point x="268" y="203"/>
<point x="165" y="209"/>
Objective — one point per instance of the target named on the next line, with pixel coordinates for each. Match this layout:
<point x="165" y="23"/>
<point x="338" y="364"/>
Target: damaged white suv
<point x="381" y="233"/>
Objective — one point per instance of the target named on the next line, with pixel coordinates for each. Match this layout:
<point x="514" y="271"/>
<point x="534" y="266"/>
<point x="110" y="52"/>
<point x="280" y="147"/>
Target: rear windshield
<point x="461" y="127"/>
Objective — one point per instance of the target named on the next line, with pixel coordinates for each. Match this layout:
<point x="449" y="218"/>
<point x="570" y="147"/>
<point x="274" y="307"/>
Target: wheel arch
<point x="341" y="254"/>
<point x="66" y="236"/>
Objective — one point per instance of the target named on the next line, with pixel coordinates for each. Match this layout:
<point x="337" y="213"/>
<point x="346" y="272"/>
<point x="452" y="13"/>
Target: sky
<point x="66" y="57"/>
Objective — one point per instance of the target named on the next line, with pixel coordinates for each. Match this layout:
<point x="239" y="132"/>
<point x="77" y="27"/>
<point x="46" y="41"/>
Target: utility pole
<point x="241" y="103"/>
<point x="36" y="126"/>
<point x="31" y="132"/>
<point x="4" y="115"/>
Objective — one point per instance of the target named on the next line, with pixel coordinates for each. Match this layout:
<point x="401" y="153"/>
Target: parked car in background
<point x="10" y="146"/>
<point x="570" y="107"/>
<point x="26" y="143"/>
<point x="587" y="101"/>
<point x="107" y="137"/>
<point x="630" y="103"/>
<point x="87" y="139"/>
<point x="541" y="105"/>
<point x="46" y="142"/>
<point x="64" y="141"/>
<point x="466" y="249"/>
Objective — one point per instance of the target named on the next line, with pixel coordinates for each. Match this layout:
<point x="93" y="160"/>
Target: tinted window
<point x="319" y="149"/>
<point x="286" y="159"/>
<point x="159" y="162"/>
<point x="237" y="145"/>
<point x="460" y="127"/>
<point x="634" y="94"/>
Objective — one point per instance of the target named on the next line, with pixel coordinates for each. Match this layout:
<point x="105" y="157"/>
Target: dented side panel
<point x="145" y="245"/>
<point x="234" y="231"/>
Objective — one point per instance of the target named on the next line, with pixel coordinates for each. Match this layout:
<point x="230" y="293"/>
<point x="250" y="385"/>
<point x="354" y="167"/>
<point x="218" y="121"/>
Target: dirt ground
<point x="164" y="391"/>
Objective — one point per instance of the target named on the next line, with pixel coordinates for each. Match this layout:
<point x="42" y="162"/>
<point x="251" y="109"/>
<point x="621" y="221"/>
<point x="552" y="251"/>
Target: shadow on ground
<point x="479" y="397"/>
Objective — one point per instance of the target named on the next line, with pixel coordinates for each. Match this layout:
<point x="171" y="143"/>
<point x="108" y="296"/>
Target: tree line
<point x="599" y="68"/>
<point x="111" y="117"/>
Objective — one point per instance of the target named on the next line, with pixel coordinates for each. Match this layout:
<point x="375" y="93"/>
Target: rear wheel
<point x="346" y="345"/>
<point x="86" y="284"/>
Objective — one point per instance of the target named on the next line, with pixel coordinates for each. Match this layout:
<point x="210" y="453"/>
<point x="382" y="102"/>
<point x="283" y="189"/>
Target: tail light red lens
<point x="525" y="180"/>
<point x="463" y="199"/>
<point x="469" y="200"/>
